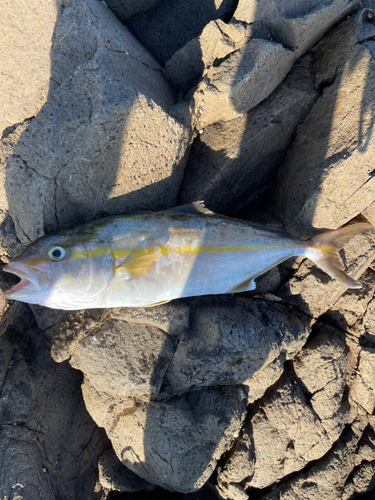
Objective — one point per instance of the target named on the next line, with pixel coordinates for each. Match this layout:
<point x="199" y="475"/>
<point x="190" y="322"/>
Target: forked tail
<point x="323" y="250"/>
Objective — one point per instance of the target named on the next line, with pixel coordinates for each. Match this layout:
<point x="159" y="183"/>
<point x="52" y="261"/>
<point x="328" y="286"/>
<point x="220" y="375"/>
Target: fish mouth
<point x="32" y="279"/>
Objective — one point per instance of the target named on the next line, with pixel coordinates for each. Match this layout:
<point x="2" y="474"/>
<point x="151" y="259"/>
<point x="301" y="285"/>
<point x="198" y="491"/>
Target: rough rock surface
<point x="247" y="75"/>
<point x="25" y="58"/>
<point x="89" y="143"/>
<point x="174" y="23"/>
<point x="233" y="342"/>
<point x="269" y="394"/>
<point x="231" y="162"/>
<point x="327" y="178"/>
<point x="49" y="443"/>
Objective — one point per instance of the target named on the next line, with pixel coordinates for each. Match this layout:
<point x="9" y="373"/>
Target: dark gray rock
<point x="175" y="22"/>
<point x="231" y="340"/>
<point x="124" y="10"/>
<point x="49" y="443"/>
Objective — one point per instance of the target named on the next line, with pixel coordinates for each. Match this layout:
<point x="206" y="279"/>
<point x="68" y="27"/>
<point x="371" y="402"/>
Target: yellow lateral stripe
<point x="121" y="253"/>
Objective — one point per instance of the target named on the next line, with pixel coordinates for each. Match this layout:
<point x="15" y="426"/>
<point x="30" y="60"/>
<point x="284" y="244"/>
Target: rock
<point x="369" y="213"/>
<point x="177" y="444"/>
<point x="362" y="479"/>
<point x="348" y="312"/>
<point x="124" y="363"/>
<point x="369" y="323"/>
<point x="125" y="10"/>
<point x="115" y="476"/>
<point x="83" y="27"/>
<point x="324" y="367"/>
<point x="314" y="292"/>
<point x="114" y="358"/>
<point x="334" y="143"/>
<point x="363" y="387"/>
<point x="175" y="22"/>
<point x="216" y="41"/>
<point x="284" y="434"/>
<point x="10" y="246"/>
<point x="49" y="443"/>
<point x="246" y="76"/>
<point x="85" y="154"/>
<point x="234" y="341"/>
<point x="300" y="418"/>
<point x="232" y="161"/>
<point x="325" y="479"/>
<point x="294" y="25"/>
<point x="25" y="56"/>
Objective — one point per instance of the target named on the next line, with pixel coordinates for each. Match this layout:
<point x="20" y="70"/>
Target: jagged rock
<point x="325" y="479"/>
<point x="113" y="475"/>
<point x="232" y="161"/>
<point x="234" y="341"/>
<point x="84" y="26"/>
<point x="363" y="388"/>
<point x="349" y="310"/>
<point x="175" y="22"/>
<point x="216" y="41"/>
<point x="327" y="178"/>
<point x="301" y="417"/>
<point x="247" y="76"/>
<point x="25" y="58"/>
<point x="49" y="443"/>
<point x="324" y="367"/>
<point x="362" y="479"/>
<point x="369" y="213"/>
<point x="176" y="444"/>
<point x="283" y="435"/>
<point x="10" y="246"/>
<point x="314" y="292"/>
<point x="102" y="144"/>
<point x="295" y="25"/>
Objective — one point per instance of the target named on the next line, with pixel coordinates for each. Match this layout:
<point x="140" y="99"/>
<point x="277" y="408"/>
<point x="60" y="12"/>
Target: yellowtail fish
<point x="146" y="259"/>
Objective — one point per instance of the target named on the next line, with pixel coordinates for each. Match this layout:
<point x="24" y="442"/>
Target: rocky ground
<point x="265" y="110"/>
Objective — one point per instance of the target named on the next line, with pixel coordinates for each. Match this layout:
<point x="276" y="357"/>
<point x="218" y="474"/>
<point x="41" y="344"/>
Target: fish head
<point x="65" y="270"/>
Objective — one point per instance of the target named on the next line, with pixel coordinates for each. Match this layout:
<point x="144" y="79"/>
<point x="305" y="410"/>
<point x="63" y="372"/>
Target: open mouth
<point x="29" y="278"/>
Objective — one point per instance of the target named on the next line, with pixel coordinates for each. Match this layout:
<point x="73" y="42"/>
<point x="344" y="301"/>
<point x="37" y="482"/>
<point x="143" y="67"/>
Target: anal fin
<point x="245" y="286"/>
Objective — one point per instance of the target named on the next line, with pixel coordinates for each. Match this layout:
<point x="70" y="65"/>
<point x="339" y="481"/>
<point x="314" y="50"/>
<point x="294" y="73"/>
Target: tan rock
<point x="103" y="144"/>
<point x="314" y="292"/>
<point x="324" y="367"/>
<point x="369" y="213"/>
<point x="363" y="387"/>
<point x="295" y="25"/>
<point x="26" y="33"/>
<point x="231" y="162"/>
<point x="249" y="75"/>
<point x="348" y="312"/>
<point x="327" y="178"/>
<point x="285" y="434"/>
<point x="326" y="478"/>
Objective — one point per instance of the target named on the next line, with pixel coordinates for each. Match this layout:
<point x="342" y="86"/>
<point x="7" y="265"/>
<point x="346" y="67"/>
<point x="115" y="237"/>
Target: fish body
<point x="149" y="258"/>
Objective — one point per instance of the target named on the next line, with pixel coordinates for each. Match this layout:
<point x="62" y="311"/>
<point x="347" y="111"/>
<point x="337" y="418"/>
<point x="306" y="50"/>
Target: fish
<point x="146" y="259"/>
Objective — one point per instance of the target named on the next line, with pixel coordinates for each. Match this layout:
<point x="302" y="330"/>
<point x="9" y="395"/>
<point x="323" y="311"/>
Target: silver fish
<point x="150" y="258"/>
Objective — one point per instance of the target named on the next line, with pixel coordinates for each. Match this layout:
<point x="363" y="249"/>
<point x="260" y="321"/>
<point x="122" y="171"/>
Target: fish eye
<point x="56" y="253"/>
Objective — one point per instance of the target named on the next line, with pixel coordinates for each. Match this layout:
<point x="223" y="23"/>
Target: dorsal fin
<point x="195" y="208"/>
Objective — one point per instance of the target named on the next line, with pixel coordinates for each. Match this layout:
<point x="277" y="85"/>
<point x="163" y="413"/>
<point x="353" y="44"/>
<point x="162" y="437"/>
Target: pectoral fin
<point x="143" y="257"/>
<point x="139" y="266"/>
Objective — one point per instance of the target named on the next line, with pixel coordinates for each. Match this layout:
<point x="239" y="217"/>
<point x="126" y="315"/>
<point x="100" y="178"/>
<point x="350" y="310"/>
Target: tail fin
<point x="323" y="250"/>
